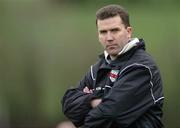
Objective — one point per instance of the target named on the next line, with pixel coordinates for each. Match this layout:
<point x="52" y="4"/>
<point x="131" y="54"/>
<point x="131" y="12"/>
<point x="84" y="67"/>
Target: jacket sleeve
<point x="127" y="100"/>
<point x="76" y="103"/>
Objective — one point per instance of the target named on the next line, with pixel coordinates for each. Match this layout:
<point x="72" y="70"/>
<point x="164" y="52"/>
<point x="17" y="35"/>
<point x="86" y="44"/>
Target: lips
<point x="111" y="46"/>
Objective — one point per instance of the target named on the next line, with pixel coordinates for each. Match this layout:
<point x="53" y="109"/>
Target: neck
<point x="113" y="57"/>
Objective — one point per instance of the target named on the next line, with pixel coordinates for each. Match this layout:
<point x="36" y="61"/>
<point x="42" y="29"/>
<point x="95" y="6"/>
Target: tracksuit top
<point x="130" y="88"/>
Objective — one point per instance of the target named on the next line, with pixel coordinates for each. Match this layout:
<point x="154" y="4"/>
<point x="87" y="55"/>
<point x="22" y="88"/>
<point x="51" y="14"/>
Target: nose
<point x="109" y="36"/>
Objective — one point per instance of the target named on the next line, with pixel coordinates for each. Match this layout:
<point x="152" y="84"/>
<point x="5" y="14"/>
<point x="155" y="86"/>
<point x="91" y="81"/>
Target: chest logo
<point x="113" y="75"/>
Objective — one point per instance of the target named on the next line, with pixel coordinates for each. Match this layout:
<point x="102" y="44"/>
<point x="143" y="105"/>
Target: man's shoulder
<point x="99" y="61"/>
<point x="142" y="57"/>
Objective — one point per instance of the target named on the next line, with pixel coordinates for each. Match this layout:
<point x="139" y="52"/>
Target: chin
<point x="113" y="54"/>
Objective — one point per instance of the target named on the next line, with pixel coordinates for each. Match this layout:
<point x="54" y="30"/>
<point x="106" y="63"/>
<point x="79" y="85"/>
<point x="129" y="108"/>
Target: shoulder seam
<point x="151" y="83"/>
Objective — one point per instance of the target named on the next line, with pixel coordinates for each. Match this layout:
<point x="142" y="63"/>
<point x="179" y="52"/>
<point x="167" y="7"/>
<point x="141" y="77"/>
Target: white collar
<point x="126" y="48"/>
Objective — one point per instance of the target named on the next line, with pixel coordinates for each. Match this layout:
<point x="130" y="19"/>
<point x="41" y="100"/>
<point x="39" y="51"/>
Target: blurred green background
<point x="46" y="46"/>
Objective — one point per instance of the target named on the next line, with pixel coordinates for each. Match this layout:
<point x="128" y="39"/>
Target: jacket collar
<point x="134" y="42"/>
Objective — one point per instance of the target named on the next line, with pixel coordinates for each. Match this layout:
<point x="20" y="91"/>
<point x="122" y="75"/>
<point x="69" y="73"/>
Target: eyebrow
<point x="102" y="31"/>
<point x="113" y="29"/>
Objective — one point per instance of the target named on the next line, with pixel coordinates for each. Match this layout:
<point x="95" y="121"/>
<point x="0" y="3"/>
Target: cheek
<point x="100" y="37"/>
<point x="102" y="40"/>
<point x="124" y="37"/>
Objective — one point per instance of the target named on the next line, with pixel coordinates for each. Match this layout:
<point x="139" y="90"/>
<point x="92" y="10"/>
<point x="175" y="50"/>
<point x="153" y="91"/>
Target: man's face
<point x="113" y="35"/>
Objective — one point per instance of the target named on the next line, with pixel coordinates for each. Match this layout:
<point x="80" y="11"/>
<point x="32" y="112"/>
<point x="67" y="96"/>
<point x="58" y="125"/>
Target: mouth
<point x="111" y="46"/>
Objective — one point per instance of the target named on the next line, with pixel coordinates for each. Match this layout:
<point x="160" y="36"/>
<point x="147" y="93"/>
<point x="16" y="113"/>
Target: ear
<point x="129" y="31"/>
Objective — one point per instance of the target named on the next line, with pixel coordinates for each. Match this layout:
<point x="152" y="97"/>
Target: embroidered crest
<point x="113" y="75"/>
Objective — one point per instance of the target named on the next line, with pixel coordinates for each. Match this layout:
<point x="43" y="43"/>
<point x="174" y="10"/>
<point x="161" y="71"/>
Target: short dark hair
<point x="111" y="11"/>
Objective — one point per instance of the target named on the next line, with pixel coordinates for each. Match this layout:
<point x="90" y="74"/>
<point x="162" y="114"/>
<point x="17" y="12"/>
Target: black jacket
<point x="131" y="92"/>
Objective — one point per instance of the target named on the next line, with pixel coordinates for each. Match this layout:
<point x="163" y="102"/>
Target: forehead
<point x="109" y="23"/>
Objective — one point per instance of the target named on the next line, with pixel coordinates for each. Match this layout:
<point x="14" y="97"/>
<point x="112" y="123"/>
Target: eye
<point x="102" y="31"/>
<point x="114" y="30"/>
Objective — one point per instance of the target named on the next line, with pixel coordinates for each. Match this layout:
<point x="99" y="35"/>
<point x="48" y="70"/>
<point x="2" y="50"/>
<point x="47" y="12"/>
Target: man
<point x="124" y="88"/>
